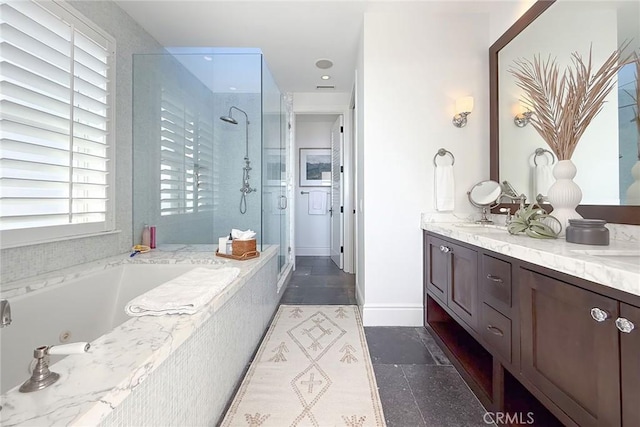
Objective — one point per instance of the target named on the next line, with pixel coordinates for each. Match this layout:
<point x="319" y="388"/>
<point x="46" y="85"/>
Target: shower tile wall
<point x="27" y="261"/>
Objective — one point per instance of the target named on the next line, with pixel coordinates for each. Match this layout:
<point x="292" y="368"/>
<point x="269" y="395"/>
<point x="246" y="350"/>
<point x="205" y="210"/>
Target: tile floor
<point x="417" y="383"/>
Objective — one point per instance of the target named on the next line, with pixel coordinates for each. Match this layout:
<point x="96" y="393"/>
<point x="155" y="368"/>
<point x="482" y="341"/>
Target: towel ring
<point x="443" y="152"/>
<point x="540" y="152"/>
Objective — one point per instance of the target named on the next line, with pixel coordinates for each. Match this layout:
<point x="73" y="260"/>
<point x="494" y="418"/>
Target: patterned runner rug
<point x="312" y="369"/>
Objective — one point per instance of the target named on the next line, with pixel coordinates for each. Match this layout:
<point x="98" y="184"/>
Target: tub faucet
<point x="5" y="313"/>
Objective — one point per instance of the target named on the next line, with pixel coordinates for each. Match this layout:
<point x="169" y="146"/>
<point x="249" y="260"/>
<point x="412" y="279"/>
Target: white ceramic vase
<point x="633" y="192"/>
<point x="564" y="195"/>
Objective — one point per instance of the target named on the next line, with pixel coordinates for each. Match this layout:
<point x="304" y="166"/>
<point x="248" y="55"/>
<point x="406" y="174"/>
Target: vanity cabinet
<point x="452" y="278"/>
<point x="570" y="357"/>
<point x="527" y="338"/>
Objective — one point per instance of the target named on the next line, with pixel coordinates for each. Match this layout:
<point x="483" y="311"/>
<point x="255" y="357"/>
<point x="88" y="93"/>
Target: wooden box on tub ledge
<point x="241" y="247"/>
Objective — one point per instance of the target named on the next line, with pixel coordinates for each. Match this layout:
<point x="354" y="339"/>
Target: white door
<point x="336" y="210"/>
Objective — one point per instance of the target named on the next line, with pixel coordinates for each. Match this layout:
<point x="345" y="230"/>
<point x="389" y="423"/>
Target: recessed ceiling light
<point x="324" y="64"/>
<point x="325" y="77"/>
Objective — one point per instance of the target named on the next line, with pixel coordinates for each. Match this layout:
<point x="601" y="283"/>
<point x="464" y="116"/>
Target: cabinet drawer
<point x="496" y="332"/>
<point x="495" y="282"/>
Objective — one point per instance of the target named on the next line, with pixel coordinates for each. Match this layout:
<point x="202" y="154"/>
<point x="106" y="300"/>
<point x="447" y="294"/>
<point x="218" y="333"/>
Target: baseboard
<point x="392" y="315"/>
<point x="313" y="251"/>
<point x="359" y="296"/>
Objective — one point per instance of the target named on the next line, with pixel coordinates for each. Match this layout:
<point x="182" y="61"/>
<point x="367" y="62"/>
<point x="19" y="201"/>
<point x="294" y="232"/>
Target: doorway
<point x="320" y="204"/>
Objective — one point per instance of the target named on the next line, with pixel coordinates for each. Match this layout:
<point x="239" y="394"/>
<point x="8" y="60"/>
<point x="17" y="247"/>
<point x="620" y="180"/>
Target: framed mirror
<point x="603" y="158"/>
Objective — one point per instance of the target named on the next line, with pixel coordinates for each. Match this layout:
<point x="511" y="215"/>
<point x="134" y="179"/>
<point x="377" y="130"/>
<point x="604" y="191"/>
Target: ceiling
<point x="292" y="34"/>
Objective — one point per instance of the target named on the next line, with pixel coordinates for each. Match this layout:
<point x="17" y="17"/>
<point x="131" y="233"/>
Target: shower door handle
<point x="283" y="203"/>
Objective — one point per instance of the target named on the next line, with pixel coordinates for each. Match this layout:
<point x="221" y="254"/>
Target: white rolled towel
<point x="186" y="294"/>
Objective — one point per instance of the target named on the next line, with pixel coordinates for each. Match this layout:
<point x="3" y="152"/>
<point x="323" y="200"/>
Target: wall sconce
<point x="464" y="107"/>
<point x="523" y="117"/>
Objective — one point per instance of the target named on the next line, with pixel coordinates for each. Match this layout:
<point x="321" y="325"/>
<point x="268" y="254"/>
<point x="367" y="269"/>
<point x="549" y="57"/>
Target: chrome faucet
<point x="521" y="199"/>
<point x="5" y="313"/>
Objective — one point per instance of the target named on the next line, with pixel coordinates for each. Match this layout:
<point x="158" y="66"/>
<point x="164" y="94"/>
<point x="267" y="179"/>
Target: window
<point x="56" y="86"/>
<point x="186" y="155"/>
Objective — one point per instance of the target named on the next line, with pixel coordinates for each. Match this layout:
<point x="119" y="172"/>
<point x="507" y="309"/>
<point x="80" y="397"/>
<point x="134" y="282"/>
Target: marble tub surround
<point x="93" y="385"/>
<point x="612" y="266"/>
<point x="165" y="254"/>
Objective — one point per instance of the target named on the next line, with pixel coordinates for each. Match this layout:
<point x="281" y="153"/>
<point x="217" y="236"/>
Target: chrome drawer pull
<point x="495" y="331"/>
<point x="624" y="325"/>
<point x="494" y="278"/>
<point x="599" y="315"/>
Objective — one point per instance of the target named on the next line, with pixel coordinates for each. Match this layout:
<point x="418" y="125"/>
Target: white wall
<point x="415" y="65"/>
<point x="311" y="231"/>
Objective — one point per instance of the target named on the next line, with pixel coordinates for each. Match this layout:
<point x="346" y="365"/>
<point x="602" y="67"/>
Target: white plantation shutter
<point x="56" y="78"/>
<point x="186" y="155"/>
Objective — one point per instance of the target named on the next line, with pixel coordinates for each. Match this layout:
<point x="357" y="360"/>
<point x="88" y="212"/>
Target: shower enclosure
<point x="210" y="146"/>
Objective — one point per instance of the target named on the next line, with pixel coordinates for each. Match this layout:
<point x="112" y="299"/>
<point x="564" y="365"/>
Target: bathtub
<point x="119" y="371"/>
<point x="53" y="315"/>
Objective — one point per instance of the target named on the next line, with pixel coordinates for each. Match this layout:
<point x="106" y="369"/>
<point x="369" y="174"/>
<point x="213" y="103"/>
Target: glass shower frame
<point x="187" y="164"/>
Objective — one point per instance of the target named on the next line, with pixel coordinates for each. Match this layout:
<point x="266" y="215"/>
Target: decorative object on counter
<point x="485" y="195"/>
<point x="587" y="232"/>
<point x="529" y="220"/>
<point x="564" y="105"/>
<point x="152" y="236"/>
<point x="464" y="107"/>
<point x="244" y="257"/>
<point x="444" y="184"/>
<point x="139" y="249"/>
<point x="222" y="245"/>
<point x="146" y="236"/>
<point x="185" y="294"/>
<point x="633" y="192"/>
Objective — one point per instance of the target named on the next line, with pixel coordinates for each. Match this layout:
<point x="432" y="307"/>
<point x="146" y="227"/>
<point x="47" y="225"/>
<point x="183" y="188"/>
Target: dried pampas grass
<point x="564" y="105"/>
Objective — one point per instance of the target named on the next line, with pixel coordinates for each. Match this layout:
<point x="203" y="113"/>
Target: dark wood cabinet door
<point x="437" y="270"/>
<point x="463" y="290"/>
<point x="571" y="358"/>
<point x="630" y="360"/>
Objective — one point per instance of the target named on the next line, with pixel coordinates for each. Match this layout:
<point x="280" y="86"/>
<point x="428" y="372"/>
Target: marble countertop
<point x="616" y="266"/>
<point x="123" y="358"/>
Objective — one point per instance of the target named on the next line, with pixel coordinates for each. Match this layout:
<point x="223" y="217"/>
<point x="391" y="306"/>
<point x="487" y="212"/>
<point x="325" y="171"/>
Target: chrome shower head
<point x="229" y="119"/>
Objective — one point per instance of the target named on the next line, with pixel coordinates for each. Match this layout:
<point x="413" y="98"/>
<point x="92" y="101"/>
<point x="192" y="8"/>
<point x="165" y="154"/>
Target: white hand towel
<point x="317" y="202"/>
<point x="542" y="179"/>
<point x="186" y="294"/>
<point x="444" y="188"/>
<point x="242" y="235"/>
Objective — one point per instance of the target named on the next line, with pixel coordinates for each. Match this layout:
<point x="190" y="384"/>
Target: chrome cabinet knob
<point x="624" y="325"/>
<point x="445" y="249"/>
<point x="599" y="315"/>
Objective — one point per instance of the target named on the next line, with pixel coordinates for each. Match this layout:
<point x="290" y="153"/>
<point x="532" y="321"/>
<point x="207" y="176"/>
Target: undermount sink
<point x="629" y="256"/>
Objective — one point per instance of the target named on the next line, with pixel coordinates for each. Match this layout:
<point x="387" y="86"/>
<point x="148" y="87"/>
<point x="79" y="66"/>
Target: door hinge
<point x="341" y="129"/>
<point x="341" y="249"/>
<point x="341" y="169"/>
<point x="341" y="209"/>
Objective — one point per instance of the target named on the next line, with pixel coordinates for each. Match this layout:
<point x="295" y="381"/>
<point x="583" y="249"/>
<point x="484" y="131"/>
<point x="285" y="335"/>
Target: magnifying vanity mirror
<point x="485" y="195"/>
<point x="610" y="147"/>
